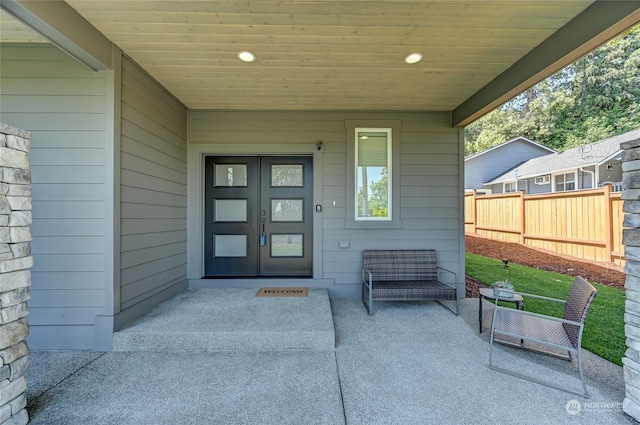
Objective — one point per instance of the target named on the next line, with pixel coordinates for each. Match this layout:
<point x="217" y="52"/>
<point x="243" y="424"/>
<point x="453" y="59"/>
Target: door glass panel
<point x="231" y="175"/>
<point x="286" y="245"/>
<point x="230" y="245"/>
<point x="228" y="210"/>
<point x="286" y="210"/>
<point x="287" y="175"/>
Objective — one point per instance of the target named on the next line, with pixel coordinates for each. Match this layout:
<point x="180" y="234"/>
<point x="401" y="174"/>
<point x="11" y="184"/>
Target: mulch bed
<point x="604" y="273"/>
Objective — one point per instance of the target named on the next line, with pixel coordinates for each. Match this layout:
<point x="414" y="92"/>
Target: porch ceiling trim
<point x="599" y="22"/>
<point x="65" y="28"/>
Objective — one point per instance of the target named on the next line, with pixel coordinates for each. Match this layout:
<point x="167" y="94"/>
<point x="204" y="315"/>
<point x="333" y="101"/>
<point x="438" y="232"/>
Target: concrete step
<point x="232" y="319"/>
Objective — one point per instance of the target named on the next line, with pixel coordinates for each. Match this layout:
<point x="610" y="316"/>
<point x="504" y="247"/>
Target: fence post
<point x="608" y="222"/>
<point x="522" y="217"/>
<point x="474" y="214"/>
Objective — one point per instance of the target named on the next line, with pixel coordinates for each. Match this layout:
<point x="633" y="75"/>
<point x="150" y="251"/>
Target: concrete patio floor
<point x="410" y="363"/>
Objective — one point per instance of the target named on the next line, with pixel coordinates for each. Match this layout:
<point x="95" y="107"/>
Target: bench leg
<point x="454" y="311"/>
<point x="367" y="299"/>
<point x="367" y="306"/>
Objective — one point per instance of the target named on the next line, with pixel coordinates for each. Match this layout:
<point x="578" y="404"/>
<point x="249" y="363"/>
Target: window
<point x="510" y="187"/>
<point x="373" y="174"/>
<point x="565" y="182"/>
<point x="373" y="178"/>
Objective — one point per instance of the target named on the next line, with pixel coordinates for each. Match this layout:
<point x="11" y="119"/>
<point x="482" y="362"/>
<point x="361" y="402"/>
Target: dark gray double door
<point x="258" y="216"/>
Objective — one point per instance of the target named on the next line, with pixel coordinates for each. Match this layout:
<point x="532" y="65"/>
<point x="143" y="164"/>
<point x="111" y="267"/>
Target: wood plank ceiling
<point x="326" y="55"/>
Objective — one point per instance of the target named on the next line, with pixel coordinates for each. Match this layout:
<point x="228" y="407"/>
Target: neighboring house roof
<point x="582" y="156"/>
<point x="517" y="139"/>
<point x="494" y="161"/>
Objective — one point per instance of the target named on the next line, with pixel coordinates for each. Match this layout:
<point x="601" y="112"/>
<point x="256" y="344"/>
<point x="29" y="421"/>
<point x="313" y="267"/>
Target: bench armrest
<point x="455" y="276"/>
<point x="367" y="278"/>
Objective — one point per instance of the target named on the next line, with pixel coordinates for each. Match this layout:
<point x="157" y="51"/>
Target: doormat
<point x="283" y="292"/>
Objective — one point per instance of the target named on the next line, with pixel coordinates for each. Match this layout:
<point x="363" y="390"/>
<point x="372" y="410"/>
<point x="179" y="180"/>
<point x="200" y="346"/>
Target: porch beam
<point x="596" y="25"/>
<point x="65" y="28"/>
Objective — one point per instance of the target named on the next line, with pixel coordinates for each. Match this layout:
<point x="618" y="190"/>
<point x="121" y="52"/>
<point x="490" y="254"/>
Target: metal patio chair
<point x="564" y="334"/>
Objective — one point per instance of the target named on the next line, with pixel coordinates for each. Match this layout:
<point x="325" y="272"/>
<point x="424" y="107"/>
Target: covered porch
<point x="409" y="363"/>
<point x="126" y="101"/>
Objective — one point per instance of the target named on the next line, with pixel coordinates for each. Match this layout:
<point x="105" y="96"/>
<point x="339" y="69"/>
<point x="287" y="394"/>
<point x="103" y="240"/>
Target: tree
<point x="596" y="97"/>
<point x="373" y="197"/>
<point x="379" y="195"/>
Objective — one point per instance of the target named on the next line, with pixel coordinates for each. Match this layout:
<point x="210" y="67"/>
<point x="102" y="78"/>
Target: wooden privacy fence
<point x="585" y="224"/>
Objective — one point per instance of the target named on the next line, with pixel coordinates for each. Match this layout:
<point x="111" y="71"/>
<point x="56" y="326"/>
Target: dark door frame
<point x="259" y="194"/>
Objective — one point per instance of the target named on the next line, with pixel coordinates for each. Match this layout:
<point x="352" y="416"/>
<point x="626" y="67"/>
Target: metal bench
<point x="405" y="275"/>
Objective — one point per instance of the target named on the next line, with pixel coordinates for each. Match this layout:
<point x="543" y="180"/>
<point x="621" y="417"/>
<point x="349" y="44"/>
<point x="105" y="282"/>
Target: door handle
<point x="263" y="235"/>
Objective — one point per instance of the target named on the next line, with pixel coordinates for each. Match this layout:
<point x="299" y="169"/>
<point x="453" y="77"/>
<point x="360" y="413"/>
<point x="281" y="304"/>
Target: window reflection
<point x="230" y="210"/>
<point x="231" y="175"/>
<point x="287" y="175"/>
<point x="230" y="245"/>
<point x="286" y="245"/>
<point x="286" y="210"/>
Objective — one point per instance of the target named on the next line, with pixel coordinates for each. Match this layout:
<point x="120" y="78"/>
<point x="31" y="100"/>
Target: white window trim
<point x="504" y="187"/>
<point x="394" y="175"/>
<point x="575" y="181"/>
<point x="390" y="178"/>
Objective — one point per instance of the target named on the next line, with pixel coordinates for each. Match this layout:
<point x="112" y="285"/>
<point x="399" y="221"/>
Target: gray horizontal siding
<point x="51" y="245"/>
<point x="61" y="316"/>
<point x="65" y="227"/>
<point x="63" y="104"/>
<point x="429" y="201"/>
<point x="69" y="192"/>
<point x="54" y="337"/>
<point x="153" y="198"/>
<point x="67" y="280"/>
<point x="41" y="87"/>
<point x="60" y="123"/>
<point x="429" y="177"/>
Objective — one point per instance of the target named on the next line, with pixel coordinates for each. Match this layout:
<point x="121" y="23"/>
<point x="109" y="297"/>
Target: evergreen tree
<point x="596" y="97"/>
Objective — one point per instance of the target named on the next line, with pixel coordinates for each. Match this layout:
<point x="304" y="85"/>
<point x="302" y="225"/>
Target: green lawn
<point x="604" y="328"/>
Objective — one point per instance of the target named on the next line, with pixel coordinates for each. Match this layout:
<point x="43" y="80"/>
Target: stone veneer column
<point x="15" y="275"/>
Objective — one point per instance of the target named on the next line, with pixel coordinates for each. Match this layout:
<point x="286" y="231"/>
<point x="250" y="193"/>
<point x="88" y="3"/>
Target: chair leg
<point x="584" y="384"/>
<point x="491" y="338"/>
<point x="584" y="393"/>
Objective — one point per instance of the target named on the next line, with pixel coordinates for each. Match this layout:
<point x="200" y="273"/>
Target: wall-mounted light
<point x="609" y="167"/>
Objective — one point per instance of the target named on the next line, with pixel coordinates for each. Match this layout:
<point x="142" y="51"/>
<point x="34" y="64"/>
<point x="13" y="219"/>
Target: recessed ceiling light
<point x="245" y="56"/>
<point x="413" y="58"/>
